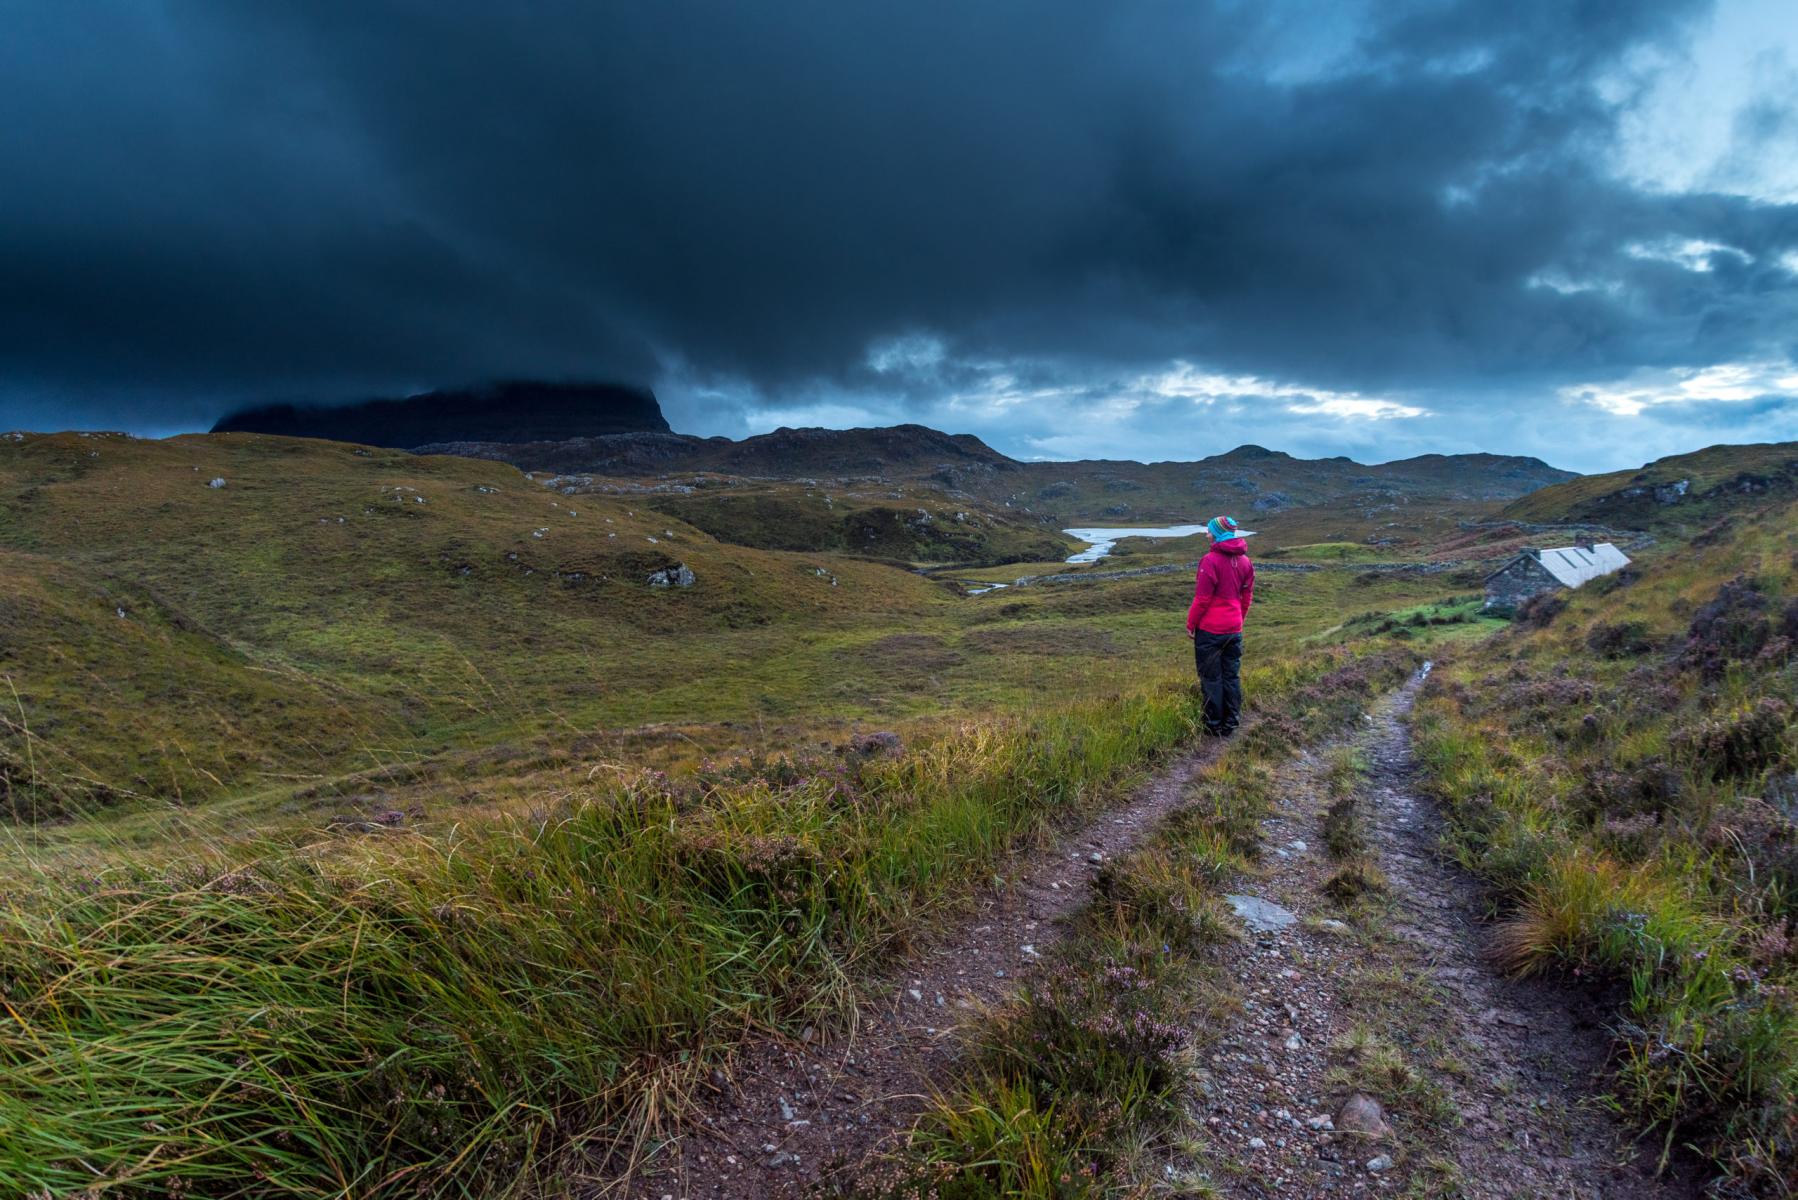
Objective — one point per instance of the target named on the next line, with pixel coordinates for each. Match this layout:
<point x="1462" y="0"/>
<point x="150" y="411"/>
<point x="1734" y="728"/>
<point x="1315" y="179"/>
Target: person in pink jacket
<point x="1221" y="597"/>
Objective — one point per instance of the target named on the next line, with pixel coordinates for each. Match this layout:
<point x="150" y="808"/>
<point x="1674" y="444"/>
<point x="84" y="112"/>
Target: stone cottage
<point x="1536" y="571"/>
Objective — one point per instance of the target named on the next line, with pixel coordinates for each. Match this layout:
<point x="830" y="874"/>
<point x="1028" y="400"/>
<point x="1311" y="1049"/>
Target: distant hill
<point x="898" y="451"/>
<point x="518" y="411"/>
<point x="1678" y="493"/>
<point x="1248" y="479"/>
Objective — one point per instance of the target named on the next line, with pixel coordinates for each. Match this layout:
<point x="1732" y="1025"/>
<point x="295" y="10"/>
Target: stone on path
<point x="1362" y="1114"/>
<point x="1262" y="916"/>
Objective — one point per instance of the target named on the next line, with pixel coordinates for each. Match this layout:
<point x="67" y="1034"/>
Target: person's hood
<point x="1231" y="546"/>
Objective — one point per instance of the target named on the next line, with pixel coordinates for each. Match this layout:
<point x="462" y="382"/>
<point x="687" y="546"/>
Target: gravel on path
<point x="1387" y="1015"/>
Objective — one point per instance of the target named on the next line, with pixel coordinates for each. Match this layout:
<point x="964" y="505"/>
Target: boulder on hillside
<point x="679" y="575"/>
<point x="870" y="744"/>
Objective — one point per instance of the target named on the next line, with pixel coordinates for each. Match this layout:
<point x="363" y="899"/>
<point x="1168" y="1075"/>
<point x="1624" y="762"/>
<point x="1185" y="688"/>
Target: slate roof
<point x="1573" y="566"/>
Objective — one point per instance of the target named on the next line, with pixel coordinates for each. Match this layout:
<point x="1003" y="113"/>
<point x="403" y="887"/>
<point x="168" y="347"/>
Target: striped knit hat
<point x="1222" y="529"/>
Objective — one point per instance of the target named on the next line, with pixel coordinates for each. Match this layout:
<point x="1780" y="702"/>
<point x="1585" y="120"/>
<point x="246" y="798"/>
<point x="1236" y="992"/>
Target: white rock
<point x="1262" y="916"/>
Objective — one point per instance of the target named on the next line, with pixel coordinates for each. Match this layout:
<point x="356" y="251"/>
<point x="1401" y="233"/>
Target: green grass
<point x="1459" y="618"/>
<point x="410" y="852"/>
<point x="1333" y="552"/>
<point x="1623" y="795"/>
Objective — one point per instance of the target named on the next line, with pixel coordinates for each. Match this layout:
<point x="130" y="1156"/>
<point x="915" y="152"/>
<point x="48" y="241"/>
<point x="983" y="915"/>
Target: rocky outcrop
<point x="679" y="575"/>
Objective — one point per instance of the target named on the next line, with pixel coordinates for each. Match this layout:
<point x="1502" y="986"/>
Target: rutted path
<point x="1482" y="1084"/>
<point x="794" y="1115"/>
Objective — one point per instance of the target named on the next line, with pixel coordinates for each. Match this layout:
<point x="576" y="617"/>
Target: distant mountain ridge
<point x="896" y="450"/>
<point x="1251" y="478"/>
<point x="511" y="411"/>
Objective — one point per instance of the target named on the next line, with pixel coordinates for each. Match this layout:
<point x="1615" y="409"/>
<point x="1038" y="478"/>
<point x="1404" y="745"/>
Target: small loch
<point x="1103" y="538"/>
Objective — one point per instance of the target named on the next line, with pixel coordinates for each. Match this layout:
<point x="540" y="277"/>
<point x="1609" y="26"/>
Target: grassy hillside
<point x="333" y="611"/>
<point x="377" y="827"/>
<point x="330" y="607"/>
<point x="1621" y="765"/>
<point x="1679" y="494"/>
<point x="917" y="525"/>
<point x="349" y="864"/>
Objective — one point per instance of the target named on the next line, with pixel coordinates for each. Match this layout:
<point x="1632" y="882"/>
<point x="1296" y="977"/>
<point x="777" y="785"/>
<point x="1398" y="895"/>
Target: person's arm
<point x="1204" y="587"/>
<point x="1248" y="586"/>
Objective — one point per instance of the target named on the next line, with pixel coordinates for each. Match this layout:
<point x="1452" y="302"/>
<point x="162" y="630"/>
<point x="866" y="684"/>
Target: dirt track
<point x="1486" y="1082"/>
<point x="794" y="1115"/>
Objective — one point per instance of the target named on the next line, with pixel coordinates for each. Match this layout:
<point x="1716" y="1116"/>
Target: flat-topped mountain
<point x="516" y="411"/>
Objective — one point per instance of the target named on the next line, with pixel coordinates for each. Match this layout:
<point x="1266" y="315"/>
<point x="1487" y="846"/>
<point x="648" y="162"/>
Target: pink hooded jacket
<point x="1224" y="589"/>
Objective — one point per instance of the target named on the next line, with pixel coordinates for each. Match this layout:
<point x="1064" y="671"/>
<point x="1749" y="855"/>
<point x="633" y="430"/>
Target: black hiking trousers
<point x="1219" y="658"/>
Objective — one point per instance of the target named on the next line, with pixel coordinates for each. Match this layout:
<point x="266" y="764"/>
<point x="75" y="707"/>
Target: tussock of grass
<point x="1355" y="881"/>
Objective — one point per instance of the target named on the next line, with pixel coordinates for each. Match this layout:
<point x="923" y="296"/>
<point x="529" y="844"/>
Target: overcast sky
<point x="1099" y="228"/>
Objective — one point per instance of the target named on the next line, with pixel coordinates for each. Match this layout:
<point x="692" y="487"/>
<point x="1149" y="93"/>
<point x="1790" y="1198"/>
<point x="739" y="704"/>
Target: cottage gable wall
<point x="1522" y="578"/>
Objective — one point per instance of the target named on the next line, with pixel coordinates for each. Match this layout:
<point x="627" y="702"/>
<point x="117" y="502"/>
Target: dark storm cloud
<point x="212" y="200"/>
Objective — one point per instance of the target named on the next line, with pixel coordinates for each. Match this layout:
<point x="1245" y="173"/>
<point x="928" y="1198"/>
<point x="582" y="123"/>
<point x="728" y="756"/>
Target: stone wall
<point x="1511" y="585"/>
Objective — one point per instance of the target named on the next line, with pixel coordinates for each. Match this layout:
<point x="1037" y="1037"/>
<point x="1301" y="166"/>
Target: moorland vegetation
<point x="1619" y="766"/>
<point x="377" y="824"/>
